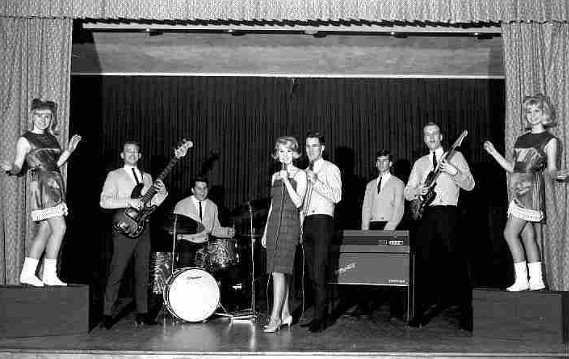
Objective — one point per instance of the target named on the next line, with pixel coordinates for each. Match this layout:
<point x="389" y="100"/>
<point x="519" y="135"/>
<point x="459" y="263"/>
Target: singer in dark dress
<point x="282" y="231"/>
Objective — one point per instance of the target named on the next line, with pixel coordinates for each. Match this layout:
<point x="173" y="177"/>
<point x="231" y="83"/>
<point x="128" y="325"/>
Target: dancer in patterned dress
<point x="43" y="157"/>
<point x="282" y="231"/>
<point x="534" y="160"/>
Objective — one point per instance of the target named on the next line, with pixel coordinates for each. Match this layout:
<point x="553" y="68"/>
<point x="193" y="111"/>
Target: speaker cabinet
<point x="541" y="316"/>
<point x="369" y="268"/>
<point x="42" y="311"/>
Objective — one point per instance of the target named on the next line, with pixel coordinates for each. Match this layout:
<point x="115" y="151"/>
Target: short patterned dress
<point x="283" y="229"/>
<point x="527" y="188"/>
<point x="47" y="188"/>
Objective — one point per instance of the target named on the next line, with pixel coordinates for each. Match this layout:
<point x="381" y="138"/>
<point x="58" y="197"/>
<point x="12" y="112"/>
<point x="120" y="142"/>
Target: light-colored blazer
<point x="118" y="188"/>
<point x="210" y="220"/>
<point x="388" y="205"/>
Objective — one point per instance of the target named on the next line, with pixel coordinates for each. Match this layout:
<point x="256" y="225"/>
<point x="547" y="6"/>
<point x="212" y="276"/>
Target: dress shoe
<point x="107" y="322"/>
<point x="286" y="321"/>
<point x="317" y="326"/>
<point x="144" y="319"/>
<point x="273" y="326"/>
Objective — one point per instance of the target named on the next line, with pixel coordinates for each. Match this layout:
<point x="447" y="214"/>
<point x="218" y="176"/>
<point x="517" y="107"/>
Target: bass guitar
<point x="419" y="204"/>
<point x="132" y="221"/>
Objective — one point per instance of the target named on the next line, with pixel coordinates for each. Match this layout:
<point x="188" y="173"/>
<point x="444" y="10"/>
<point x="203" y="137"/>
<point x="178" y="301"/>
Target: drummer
<point x="201" y="209"/>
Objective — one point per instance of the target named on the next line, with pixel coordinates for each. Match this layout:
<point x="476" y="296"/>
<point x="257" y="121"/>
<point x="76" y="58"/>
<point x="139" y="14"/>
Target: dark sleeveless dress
<point x="527" y="188"/>
<point x="46" y="186"/>
<point x="283" y="230"/>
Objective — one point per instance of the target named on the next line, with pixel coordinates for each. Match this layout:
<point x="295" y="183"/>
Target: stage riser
<point x="538" y="316"/>
<point x="43" y="311"/>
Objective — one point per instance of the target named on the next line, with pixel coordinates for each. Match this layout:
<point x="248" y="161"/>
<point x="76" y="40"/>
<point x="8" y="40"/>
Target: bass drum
<point x="191" y="294"/>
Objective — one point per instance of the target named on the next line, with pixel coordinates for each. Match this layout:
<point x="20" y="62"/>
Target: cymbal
<point x="258" y="208"/>
<point x="183" y="224"/>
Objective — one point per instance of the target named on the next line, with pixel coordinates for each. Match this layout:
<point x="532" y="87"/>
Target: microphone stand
<point x="249" y="313"/>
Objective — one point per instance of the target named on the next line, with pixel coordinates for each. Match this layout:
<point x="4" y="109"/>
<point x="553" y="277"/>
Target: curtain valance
<point x="442" y="11"/>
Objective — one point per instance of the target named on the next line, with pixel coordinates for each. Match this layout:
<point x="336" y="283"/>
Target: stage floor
<point x="373" y="335"/>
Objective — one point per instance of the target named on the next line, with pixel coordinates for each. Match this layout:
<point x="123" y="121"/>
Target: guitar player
<point x="441" y="271"/>
<point x="116" y="195"/>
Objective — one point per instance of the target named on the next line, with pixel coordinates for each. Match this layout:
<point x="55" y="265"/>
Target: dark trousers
<point x="377" y="225"/>
<point x="318" y="233"/>
<point x="125" y="248"/>
<point x="441" y="275"/>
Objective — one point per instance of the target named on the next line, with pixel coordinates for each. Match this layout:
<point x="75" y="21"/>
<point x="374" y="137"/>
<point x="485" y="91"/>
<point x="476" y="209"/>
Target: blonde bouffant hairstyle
<point x="38" y="104"/>
<point x="289" y="142"/>
<point x="542" y="102"/>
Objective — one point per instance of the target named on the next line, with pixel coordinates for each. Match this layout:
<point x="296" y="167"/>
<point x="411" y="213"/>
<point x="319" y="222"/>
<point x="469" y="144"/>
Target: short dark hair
<point x="318" y="135"/>
<point x="383" y="153"/>
<point x="199" y="179"/>
<point x="132" y="142"/>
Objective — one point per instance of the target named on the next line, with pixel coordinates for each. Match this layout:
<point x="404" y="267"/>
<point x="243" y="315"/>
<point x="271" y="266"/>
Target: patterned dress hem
<point x="43" y="214"/>
<point x="524" y="213"/>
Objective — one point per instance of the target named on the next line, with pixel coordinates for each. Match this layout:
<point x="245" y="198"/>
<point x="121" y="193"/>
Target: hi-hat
<point x="258" y="208"/>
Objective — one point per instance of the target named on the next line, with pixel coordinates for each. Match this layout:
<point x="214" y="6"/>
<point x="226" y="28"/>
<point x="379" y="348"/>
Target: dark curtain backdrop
<point x="234" y="121"/>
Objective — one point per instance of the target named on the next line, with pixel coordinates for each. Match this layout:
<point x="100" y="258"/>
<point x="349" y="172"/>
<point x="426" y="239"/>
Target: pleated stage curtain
<point x="234" y="122"/>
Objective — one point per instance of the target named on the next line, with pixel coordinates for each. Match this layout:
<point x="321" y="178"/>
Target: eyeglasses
<point x="132" y="151"/>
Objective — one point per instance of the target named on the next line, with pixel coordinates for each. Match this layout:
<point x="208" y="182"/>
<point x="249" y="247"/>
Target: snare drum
<point x="191" y="294"/>
<point x="222" y="253"/>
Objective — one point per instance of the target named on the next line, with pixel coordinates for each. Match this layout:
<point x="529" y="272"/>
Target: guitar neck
<point x="437" y="171"/>
<point x="152" y="191"/>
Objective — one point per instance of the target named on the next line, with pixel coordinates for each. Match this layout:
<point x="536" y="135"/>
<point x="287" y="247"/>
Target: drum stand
<point x="163" y="310"/>
<point x="248" y="313"/>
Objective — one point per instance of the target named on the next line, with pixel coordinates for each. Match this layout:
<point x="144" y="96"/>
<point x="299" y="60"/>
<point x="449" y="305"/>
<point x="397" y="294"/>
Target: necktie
<point x="135" y="176"/>
<point x="434" y="161"/>
<point x="379" y="185"/>
<point x="201" y="213"/>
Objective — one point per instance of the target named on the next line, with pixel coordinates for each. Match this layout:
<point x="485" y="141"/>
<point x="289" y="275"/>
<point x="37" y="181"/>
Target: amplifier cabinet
<point x="373" y="268"/>
<point x="374" y="258"/>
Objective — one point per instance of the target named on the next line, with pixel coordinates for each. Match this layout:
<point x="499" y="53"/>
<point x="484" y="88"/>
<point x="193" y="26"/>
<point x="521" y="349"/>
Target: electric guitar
<point x="132" y="221"/>
<point x="419" y="204"/>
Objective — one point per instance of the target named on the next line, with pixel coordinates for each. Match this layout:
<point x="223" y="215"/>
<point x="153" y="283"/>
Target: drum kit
<point x="192" y="294"/>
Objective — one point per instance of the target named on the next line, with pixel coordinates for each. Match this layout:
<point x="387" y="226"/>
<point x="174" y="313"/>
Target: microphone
<point x="283" y="168"/>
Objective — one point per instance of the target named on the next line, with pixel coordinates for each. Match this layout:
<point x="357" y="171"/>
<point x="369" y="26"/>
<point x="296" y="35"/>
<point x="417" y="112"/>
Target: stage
<point x="371" y="335"/>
